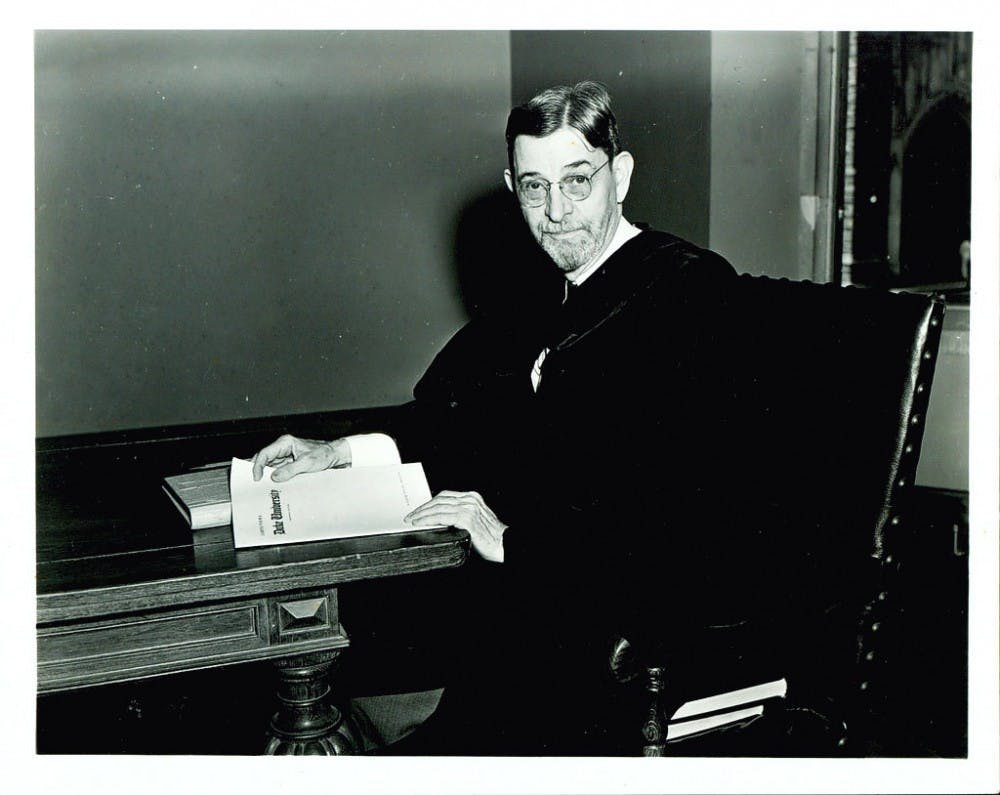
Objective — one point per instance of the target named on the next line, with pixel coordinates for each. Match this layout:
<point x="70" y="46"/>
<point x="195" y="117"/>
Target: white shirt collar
<point x="624" y="233"/>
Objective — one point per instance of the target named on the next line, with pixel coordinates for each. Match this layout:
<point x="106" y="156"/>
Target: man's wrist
<point x="340" y="453"/>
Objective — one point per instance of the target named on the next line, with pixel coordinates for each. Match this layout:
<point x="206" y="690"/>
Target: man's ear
<point x="622" y="167"/>
<point x="509" y="179"/>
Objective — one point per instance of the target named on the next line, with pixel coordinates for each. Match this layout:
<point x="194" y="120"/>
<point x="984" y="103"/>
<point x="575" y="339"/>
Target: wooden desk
<point x="124" y="591"/>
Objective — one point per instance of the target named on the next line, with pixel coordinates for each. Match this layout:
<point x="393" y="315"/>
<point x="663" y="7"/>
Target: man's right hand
<point x="291" y="456"/>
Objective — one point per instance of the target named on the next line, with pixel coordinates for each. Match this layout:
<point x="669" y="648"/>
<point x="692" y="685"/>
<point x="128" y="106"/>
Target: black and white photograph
<point x="607" y="406"/>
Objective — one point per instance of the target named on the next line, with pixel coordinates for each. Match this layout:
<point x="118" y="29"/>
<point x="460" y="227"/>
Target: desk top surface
<point x="110" y="541"/>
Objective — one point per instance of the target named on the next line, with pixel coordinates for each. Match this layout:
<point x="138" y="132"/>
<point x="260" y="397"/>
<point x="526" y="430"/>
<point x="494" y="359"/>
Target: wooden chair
<point x="825" y="393"/>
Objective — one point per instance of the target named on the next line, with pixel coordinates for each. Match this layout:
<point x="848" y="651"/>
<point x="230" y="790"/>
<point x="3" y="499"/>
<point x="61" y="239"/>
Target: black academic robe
<point x="609" y="475"/>
<point x="634" y="484"/>
<point x="602" y="475"/>
<point x="598" y="471"/>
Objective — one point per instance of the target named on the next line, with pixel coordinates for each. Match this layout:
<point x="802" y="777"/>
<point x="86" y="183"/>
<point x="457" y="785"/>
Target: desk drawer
<point x="137" y="646"/>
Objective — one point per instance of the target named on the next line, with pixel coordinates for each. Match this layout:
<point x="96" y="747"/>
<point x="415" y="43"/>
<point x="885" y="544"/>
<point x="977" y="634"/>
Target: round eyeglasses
<point x="533" y="191"/>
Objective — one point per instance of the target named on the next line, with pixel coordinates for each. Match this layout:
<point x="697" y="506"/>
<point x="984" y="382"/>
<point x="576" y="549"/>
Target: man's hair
<point x="585" y="107"/>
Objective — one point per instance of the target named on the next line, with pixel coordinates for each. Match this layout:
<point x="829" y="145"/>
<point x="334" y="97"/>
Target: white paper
<point x="334" y="503"/>
<point x="688" y="727"/>
<point x="733" y="698"/>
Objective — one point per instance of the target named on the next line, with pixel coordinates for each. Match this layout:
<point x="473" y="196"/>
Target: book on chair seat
<point x="732" y="708"/>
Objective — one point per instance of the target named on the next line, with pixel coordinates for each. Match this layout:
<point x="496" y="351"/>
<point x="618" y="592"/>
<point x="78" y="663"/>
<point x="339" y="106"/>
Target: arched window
<point x="908" y="137"/>
<point x="935" y="194"/>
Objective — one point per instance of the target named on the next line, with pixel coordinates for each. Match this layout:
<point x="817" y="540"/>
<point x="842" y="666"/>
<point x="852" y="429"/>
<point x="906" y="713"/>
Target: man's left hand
<point x="466" y="511"/>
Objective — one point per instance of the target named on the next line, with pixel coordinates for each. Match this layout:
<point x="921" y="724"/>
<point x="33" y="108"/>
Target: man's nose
<point x="556" y="205"/>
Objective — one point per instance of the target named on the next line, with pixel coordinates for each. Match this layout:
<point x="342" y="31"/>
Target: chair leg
<point x="652" y="731"/>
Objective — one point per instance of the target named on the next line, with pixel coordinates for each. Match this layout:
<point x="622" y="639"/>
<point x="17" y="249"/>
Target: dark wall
<point x="661" y="84"/>
<point x="241" y="224"/>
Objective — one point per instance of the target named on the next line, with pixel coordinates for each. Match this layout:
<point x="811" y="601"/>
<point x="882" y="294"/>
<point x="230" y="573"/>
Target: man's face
<point x="573" y="233"/>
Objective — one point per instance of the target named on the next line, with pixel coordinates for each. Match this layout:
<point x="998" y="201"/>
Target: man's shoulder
<point x="668" y="259"/>
<point x="653" y="243"/>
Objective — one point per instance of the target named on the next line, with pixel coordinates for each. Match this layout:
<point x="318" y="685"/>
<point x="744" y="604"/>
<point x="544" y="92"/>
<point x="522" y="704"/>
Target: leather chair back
<point x="820" y="394"/>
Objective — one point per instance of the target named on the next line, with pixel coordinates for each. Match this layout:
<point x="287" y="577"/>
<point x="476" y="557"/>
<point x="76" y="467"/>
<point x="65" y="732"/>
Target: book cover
<point x="696" y="727"/>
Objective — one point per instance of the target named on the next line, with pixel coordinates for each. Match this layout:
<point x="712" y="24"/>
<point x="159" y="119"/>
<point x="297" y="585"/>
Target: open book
<point x="334" y="503"/>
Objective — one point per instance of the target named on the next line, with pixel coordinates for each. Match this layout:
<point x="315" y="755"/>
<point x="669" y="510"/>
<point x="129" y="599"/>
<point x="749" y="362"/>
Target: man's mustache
<point x="559" y="230"/>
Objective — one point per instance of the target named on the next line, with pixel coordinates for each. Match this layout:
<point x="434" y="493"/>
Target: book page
<point x="334" y="503"/>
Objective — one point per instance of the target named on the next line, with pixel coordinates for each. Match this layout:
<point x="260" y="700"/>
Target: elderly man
<point x="563" y="433"/>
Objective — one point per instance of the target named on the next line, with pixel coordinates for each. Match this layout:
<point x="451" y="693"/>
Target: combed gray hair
<point x="586" y="107"/>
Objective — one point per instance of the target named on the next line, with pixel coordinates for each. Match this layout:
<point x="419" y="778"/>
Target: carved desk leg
<point x="305" y="723"/>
